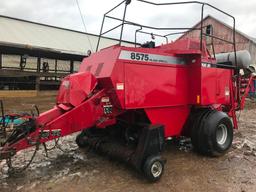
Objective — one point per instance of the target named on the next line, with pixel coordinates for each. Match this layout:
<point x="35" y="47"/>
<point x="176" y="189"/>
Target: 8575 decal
<point x="152" y="58"/>
<point x="139" y="56"/>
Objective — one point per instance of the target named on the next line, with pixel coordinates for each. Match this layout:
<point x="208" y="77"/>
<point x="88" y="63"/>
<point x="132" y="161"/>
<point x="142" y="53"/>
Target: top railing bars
<point x="185" y="30"/>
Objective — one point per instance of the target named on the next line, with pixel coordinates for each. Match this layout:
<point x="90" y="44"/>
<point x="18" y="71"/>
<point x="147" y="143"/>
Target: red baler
<point x="128" y="100"/>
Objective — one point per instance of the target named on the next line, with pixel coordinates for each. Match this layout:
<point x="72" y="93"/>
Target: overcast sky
<point x="64" y="13"/>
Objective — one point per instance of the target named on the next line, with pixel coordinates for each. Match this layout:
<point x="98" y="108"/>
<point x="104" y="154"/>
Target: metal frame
<point x="202" y="34"/>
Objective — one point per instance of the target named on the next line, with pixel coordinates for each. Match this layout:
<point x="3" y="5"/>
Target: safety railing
<point x="165" y="36"/>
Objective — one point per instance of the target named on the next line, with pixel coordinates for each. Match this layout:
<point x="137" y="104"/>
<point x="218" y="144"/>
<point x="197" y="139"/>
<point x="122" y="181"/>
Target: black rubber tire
<point x="208" y="134"/>
<point x="148" y="168"/>
<point x="197" y="118"/>
<point x="204" y="132"/>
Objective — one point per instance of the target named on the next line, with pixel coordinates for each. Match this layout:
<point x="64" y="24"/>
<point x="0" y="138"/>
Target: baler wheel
<point x="214" y="133"/>
<point x="196" y="121"/>
<point x="81" y="140"/>
<point x="153" y="168"/>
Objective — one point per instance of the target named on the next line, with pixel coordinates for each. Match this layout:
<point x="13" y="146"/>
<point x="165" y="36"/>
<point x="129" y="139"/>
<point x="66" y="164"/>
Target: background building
<point x="224" y="31"/>
<point x="35" y="56"/>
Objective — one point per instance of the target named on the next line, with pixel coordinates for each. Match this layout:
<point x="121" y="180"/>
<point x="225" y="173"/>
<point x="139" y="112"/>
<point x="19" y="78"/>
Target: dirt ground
<point x="72" y="169"/>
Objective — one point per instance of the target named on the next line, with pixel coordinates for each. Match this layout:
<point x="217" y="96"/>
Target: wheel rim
<point x="221" y="134"/>
<point x="156" y="169"/>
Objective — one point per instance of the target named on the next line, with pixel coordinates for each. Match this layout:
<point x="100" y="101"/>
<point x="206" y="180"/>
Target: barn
<point x="224" y="31"/>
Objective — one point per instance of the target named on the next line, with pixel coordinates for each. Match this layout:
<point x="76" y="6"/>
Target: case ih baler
<point x="127" y="101"/>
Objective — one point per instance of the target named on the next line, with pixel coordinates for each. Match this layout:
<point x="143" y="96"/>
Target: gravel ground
<point x="71" y="169"/>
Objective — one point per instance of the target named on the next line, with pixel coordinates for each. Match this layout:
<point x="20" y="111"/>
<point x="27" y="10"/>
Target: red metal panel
<point x="111" y="73"/>
<point x="208" y="85"/>
<point x="155" y="85"/>
<point x="117" y="80"/>
<point x="173" y="118"/>
<point x="107" y="57"/>
<point x="83" y="116"/>
<point x="194" y="80"/>
<point x="215" y="86"/>
<point x="75" y="88"/>
<point x="223" y="86"/>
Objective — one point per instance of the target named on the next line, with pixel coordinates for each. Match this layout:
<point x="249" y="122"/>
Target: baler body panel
<point x="164" y="81"/>
<point x="109" y="71"/>
<point x="215" y="86"/>
<point x="149" y="86"/>
<point x="161" y="89"/>
<point x="173" y="118"/>
<point x="194" y="78"/>
<point x="101" y="64"/>
<point x="73" y="91"/>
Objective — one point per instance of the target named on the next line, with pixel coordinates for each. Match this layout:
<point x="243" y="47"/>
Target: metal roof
<point x="25" y="33"/>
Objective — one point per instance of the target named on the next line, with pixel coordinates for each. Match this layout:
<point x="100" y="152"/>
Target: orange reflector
<point x="198" y="99"/>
